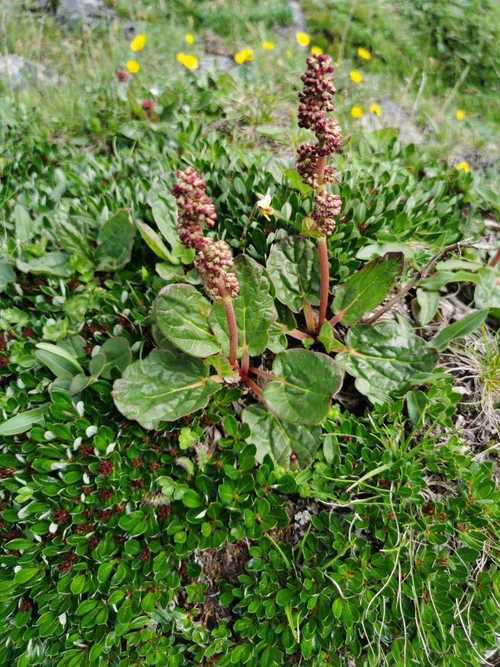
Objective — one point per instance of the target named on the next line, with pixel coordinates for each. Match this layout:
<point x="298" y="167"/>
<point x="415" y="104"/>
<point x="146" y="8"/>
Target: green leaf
<point x="26" y="574"/>
<point x="366" y="288"/>
<point x="114" y="242"/>
<point x="51" y="264"/>
<point x="253" y="307"/>
<point x="192" y="499"/>
<point x="23" y="421"/>
<point x="134" y="523"/>
<point x="181" y="314"/>
<point x="459" y="329"/>
<point x="165" y="386"/>
<point x="154" y="241"/>
<point x="427" y="306"/>
<point x="165" y="215"/>
<point x="387" y="357"/>
<point x="23" y="223"/>
<point x="487" y="292"/>
<point x="7" y="274"/>
<point x="63" y="364"/>
<point x="293" y="268"/>
<point x="303" y="386"/>
<point x="327" y="339"/>
<point x="78" y="584"/>
<point x="270" y="435"/>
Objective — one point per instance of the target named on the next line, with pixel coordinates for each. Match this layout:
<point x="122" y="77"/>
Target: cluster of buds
<point x="195" y="212"/>
<point x="215" y="266"/>
<point x="315" y="102"/>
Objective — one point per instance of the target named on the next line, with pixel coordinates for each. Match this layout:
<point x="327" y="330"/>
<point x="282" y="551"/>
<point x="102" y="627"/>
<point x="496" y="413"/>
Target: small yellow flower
<point x="189" y="39"/>
<point x="189" y="61"/>
<point x="460" y="114"/>
<point x="302" y="38"/>
<point x="316" y="50"/>
<point x="243" y="56"/>
<point x="138" y="43"/>
<point x="267" y="46"/>
<point x="375" y="109"/>
<point x="364" y="54"/>
<point x="264" y="205"/>
<point x="356" y="76"/>
<point x="357" y="112"/>
<point x="133" y="66"/>
<point x="463" y="166"/>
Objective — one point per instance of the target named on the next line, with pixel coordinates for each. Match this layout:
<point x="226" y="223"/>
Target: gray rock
<point x="18" y="73"/>
<point x="88" y="12"/>
<point x="396" y="117"/>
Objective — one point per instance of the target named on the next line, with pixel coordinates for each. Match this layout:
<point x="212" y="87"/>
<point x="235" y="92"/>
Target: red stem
<point x="245" y="362"/>
<point x="336" y="319"/>
<point x="324" y="270"/>
<point x="310" y="318"/>
<point x="299" y="335"/>
<point x="254" y="387"/>
<point x="233" y="331"/>
<point x="495" y="260"/>
<point x="262" y="373"/>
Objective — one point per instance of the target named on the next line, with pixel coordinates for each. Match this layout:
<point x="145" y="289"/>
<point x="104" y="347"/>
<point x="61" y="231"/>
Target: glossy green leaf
<point x="366" y="288"/>
<point x="181" y="314"/>
<point x="63" y="364"/>
<point x="459" y="329"/>
<point x="426" y="306"/>
<point x="164" y="386"/>
<point x="280" y="439"/>
<point x="327" y="338"/>
<point x="23" y="421"/>
<point x="114" y="242"/>
<point x="51" y="264"/>
<point x="293" y="268"/>
<point x="303" y="386"/>
<point x="134" y="523"/>
<point x="253" y="307"/>
<point x="387" y="357"/>
<point x="154" y="241"/>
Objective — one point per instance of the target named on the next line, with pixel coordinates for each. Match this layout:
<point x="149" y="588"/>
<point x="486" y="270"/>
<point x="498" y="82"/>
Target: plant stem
<point x="495" y="260"/>
<point x="299" y="335"/>
<point x="324" y="270"/>
<point x="245" y="362"/>
<point x="310" y="318"/>
<point x="233" y="331"/>
<point x="254" y="387"/>
<point x="262" y="373"/>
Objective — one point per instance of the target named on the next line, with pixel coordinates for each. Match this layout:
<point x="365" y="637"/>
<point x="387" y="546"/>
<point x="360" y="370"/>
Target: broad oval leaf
<point x="181" y="314"/>
<point x="51" y="264"/>
<point x="280" y="439"/>
<point x="487" y="292"/>
<point x="303" y="386"/>
<point x="387" y="357"/>
<point x="23" y="421"/>
<point x="165" y="386"/>
<point x="114" y="242"/>
<point x="253" y="307"/>
<point x="63" y="364"/>
<point x="293" y="268"/>
<point x="366" y="288"/>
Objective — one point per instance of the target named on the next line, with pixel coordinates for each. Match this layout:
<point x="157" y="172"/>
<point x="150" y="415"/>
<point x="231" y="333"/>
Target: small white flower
<point x="62" y="618"/>
<point x="86" y="478"/>
<point x="48" y="435"/>
<point x="80" y="408"/>
<point x="264" y="205"/>
<point x="53" y="528"/>
<point x="91" y="431"/>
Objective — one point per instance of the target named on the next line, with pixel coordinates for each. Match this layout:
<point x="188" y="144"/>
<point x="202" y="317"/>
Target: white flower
<point x="264" y="205"/>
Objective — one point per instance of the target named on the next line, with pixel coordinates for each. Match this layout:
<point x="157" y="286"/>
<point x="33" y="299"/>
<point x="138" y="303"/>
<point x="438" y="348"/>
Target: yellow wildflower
<point x="302" y="38"/>
<point x="460" y="114"/>
<point x="267" y="46"/>
<point x="356" y="76"/>
<point x="189" y="39"/>
<point x="375" y="109"/>
<point x="364" y="54"/>
<point x="133" y="66"/>
<point x="243" y="56"/>
<point x="138" y="43"/>
<point x="316" y="50"/>
<point x="189" y="61"/>
<point x="463" y="166"/>
<point x="357" y="112"/>
<point x="264" y="205"/>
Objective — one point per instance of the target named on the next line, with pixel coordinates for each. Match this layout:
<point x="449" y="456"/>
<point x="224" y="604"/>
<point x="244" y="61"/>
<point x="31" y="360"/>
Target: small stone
<point x="394" y="116"/>
<point x="18" y="73"/>
<point x="88" y="12"/>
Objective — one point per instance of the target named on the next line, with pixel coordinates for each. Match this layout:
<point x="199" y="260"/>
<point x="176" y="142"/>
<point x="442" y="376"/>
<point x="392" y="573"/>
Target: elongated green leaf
<point x="458" y="329"/>
<point x="115" y="241"/>
<point x="253" y="307"/>
<point x="50" y="264"/>
<point x="387" y="357"/>
<point x="293" y="268"/>
<point x="280" y="439"/>
<point x="164" y="214"/>
<point x="25" y="227"/>
<point x="63" y="364"/>
<point x="165" y="386"/>
<point x="303" y="386"/>
<point x="367" y="288"/>
<point x="23" y="421"/>
<point x="426" y="306"/>
<point x="155" y="242"/>
<point x="7" y="274"/>
<point x="181" y="314"/>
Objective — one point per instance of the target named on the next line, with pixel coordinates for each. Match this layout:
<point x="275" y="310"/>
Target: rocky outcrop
<point x="73" y="13"/>
<point x="18" y="73"/>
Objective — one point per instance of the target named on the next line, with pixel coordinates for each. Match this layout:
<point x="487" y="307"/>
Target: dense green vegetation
<point x="188" y="544"/>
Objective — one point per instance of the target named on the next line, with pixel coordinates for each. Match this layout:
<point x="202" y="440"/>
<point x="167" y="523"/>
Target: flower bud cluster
<point x="315" y="102"/>
<point x="196" y="211"/>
